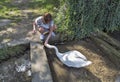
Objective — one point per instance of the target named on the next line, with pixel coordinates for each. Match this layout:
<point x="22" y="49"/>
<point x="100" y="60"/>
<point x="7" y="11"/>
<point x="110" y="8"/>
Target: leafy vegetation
<point x="80" y="18"/>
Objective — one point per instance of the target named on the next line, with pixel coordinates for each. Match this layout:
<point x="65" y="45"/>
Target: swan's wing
<point x="72" y="61"/>
<point x="69" y="60"/>
<point x="77" y="54"/>
<point x="73" y="55"/>
<point x="74" y="58"/>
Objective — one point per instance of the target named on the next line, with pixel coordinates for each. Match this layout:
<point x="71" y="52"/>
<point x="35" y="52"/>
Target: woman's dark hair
<point x="47" y="17"/>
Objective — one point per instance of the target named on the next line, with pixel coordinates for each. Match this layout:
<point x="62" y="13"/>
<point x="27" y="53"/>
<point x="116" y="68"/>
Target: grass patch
<point x="8" y="10"/>
<point x="11" y="9"/>
<point x="15" y="51"/>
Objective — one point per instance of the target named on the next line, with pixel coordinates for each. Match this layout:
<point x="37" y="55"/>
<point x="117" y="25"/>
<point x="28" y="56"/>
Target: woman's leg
<point x="41" y="30"/>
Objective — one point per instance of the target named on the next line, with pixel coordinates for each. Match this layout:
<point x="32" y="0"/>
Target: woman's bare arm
<point x="49" y="35"/>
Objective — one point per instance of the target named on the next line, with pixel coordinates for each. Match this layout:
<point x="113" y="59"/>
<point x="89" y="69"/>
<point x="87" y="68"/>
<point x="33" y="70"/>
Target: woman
<point x="45" y="24"/>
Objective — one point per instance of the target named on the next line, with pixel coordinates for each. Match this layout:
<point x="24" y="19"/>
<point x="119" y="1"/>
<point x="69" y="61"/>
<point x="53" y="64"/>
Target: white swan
<point x="71" y="58"/>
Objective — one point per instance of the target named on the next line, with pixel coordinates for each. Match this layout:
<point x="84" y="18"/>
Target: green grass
<point x="10" y="10"/>
<point x="8" y="52"/>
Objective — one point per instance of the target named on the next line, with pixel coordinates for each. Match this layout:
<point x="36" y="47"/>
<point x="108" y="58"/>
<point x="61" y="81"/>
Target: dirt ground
<point x="101" y="69"/>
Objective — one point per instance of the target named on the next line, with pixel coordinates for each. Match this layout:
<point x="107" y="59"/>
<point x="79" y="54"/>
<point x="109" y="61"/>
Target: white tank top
<point x="40" y="23"/>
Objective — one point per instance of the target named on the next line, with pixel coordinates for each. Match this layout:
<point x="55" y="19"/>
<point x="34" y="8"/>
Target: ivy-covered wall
<point x="78" y="18"/>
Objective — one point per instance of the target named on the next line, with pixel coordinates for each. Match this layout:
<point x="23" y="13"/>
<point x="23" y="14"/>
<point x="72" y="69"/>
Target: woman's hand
<point x="46" y="42"/>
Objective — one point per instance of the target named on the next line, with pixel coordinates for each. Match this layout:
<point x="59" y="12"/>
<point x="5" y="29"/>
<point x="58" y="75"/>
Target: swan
<point x="71" y="58"/>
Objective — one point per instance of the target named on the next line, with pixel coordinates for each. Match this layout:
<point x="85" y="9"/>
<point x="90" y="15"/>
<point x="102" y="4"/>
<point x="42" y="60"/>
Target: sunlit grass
<point x="12" y="11"/>
<point x="9" y="11"/>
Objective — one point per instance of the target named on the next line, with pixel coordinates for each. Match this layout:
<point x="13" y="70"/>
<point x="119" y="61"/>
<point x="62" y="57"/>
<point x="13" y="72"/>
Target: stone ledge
<point x="39" y="64"/>
<point x="4" y="22"/>
<point x="14" y="43"/>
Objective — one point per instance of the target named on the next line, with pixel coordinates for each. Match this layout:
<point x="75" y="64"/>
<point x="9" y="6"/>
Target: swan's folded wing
<point x="73" y="61"/>
<point x="78" y="54"/>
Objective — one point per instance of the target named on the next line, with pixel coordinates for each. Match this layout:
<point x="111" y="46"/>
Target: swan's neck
<point x="51" y="46"/>
<point x="56" y="49"/>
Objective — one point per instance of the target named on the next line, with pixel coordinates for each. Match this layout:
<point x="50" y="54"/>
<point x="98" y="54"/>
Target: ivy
<point x="80" y="18"/>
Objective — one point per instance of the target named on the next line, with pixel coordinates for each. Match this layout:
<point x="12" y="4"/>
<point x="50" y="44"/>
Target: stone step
<point x="39" y="64"/>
